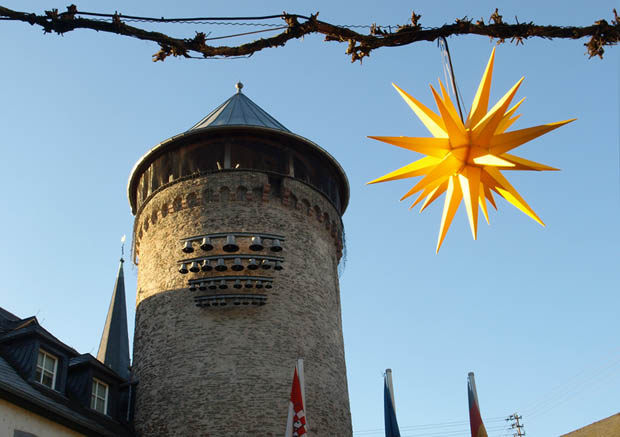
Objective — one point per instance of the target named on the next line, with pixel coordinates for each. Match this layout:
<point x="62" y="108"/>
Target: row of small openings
<point x="222" y="300"/>
<point x="205" y="265"/>
<point x="256" y="243"/>
<point x="237" y="282"/>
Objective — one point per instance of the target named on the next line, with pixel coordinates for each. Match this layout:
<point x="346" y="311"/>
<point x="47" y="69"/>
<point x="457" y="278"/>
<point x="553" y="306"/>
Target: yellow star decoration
<point x="464" y="159"/>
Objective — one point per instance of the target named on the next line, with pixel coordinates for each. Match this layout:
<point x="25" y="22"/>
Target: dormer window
<point x="47" y="368"/>
<point x="99" y="397"/>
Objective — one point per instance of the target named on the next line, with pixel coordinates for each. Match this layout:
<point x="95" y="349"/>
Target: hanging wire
<point x="434" y="427"/>
<point x="210" y="23"/>
<point x="246" y="33"/>
<point x="442" y="43"/>
<point x="212" y="20"/>
<point x="220" y="58"/>
<point x="183" y="20"/>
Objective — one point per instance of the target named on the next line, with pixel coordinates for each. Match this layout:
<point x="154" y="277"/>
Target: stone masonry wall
<point x="228" y="371"/>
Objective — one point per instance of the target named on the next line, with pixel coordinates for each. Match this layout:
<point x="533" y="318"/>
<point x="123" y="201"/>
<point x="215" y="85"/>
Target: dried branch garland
<point x="601" y="33"/>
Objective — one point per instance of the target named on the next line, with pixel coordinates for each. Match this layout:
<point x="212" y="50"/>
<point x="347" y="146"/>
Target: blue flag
<point x="391" y="426"/>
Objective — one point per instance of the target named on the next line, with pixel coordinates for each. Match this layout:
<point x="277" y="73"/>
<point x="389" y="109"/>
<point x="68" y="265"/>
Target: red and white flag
<point x="296" y="422"/>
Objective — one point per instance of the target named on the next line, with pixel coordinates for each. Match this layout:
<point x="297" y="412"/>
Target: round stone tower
<point x="237" y="235"/>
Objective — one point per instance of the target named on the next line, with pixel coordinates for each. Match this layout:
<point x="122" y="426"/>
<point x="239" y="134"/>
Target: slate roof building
<point x="49" y="389"/>
<point x="237" y="237"/>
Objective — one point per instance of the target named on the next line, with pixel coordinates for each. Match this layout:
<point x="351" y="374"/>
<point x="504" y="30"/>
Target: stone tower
<point x="237" y="235"/>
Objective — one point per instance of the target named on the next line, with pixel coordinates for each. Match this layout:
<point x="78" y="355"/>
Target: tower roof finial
<point x="123" y="238"/>
<point x="239" y="86"/>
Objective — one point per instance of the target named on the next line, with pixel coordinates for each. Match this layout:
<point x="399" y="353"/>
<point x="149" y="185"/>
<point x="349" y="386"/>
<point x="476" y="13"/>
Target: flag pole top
<point x="472" y="384"/>
<point x="390" y="386"/>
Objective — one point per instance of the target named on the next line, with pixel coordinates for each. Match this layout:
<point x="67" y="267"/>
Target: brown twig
<point x="359" y="46"/>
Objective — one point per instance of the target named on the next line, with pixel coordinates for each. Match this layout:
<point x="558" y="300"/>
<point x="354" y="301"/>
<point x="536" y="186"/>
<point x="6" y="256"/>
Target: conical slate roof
<point x="239" y="110"/>
<point x="114" y="346"/>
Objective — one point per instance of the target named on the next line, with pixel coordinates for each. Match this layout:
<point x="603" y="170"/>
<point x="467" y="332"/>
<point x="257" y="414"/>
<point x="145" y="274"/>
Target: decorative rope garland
<point x="601" y="33"/>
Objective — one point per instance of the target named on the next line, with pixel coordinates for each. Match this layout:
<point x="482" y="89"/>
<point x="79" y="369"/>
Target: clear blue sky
<point x="532" y="311"/>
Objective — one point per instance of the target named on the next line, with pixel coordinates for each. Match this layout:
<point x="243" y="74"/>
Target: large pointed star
<point x="464" y="159"/>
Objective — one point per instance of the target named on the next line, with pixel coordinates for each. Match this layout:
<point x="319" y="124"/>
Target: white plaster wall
<point x="14" y="418"/>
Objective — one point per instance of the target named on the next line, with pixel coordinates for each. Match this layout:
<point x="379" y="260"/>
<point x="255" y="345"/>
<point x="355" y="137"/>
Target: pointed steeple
<point x="114" y="346"/>
<point x="239" y="110"/>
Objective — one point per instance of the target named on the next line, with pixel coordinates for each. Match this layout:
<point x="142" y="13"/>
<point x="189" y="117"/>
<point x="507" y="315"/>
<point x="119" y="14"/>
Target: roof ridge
<point x="26" y="322"/>
<point x="260" y="113"/>
<point x="8" y="315"/>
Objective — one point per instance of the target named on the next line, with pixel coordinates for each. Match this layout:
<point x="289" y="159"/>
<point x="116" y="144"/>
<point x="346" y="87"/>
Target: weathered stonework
<point x="228" y="371"/>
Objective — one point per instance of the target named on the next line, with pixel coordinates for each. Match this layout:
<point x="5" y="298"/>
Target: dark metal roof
<point x="13" y="329"/>
<point x="5" y="315"/>
<point x="239" y="110"/>
<point x="95" y="363"/>
<point x="9" y="321"/>
<point x="80" y="359"/>
<point x="114" y="346"/>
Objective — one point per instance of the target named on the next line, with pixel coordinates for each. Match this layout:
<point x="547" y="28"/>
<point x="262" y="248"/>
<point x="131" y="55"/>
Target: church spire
<point x="114" y="346"/>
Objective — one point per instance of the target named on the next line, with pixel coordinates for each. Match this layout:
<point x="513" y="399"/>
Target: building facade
<point x="48" y="389"/>
<point x="237" y="236"/>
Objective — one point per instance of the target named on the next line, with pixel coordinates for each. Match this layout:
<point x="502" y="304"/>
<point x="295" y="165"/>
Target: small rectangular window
<point x="99" y="397"/>
<point x="47" y="367"/>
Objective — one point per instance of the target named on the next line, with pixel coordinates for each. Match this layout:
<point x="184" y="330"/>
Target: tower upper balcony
<point x="237" y="135"/>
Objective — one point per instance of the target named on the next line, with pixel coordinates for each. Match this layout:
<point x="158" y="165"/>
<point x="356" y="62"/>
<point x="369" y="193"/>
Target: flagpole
<point x="289" y="423"/>
<point x="296" y="422"/>
<point x="302" y="383"/>
<point x="389" y="408"/>
<point x="472" y="383"/>
<point x="475" y="418"/>
<point x="388" y="376"/>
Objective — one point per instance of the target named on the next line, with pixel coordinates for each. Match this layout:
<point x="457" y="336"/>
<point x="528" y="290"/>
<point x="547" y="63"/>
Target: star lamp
<point x="464" y="159"/>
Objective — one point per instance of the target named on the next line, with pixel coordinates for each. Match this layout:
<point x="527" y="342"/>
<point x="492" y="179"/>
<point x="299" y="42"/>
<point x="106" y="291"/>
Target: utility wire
<point x="568" y="396"/>
<point x="561" y="394"/>
<point x="423" y="427"/>
<point x="245" y="33"/>
<point x="181" y="20"/>
<point x="217" y="20"/>
<point x="210" y="23"/>
<point x="462" y="432"/>
<point x="571" y="387"/>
